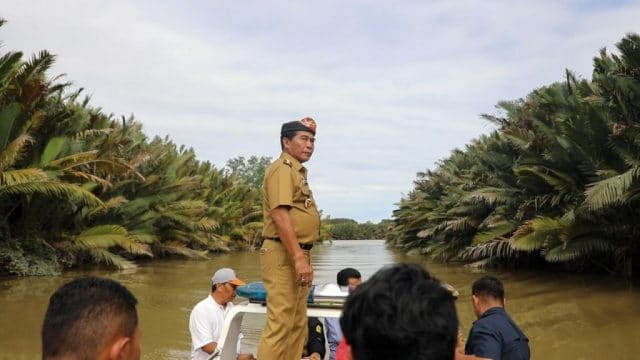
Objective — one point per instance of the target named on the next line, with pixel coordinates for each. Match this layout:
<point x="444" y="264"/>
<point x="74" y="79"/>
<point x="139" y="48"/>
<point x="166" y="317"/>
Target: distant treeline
<point x="349" y="229"/>
<point x="81" y="186"/>
<point x="556" y="184"/>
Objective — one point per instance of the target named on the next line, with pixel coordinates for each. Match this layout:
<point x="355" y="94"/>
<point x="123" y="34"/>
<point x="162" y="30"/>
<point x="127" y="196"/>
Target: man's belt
<point x="302" y="246"/>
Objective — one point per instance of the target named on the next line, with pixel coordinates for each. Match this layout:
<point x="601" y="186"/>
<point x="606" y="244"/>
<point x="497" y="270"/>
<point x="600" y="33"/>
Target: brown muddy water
<point x="565" y="316"/>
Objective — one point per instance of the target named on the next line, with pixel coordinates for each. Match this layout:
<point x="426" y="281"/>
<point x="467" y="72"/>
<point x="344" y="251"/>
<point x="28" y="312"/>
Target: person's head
<point x="349" y="277"/>
<point x="91" y="318"/>
<point x="297" y="138"/>
<point x="223" y="285"/>
<point x="486" y="292"/>
<point x="401" y="312"/>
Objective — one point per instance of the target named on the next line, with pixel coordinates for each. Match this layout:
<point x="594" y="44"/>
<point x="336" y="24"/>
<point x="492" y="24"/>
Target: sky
<point x="394" y="86"/>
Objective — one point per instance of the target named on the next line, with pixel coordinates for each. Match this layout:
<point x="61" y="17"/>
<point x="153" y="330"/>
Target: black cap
<point x="305" y="124"/>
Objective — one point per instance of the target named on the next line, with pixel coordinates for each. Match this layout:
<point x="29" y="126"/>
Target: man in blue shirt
<point x="494" y="335"/>
<point x="347" y="278"/>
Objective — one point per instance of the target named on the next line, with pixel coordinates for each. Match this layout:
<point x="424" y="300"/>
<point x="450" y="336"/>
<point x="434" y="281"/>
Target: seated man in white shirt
<point x="348" y="278"/>
<point x="207" y="317"/>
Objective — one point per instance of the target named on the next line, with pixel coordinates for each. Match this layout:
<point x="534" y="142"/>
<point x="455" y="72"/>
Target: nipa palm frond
<point x="179" y="249"/>
<point x="610" y="191"/>
<point x="53" y="189"/>
<point x="497" y="248"/>
<point x="21" y="176"/>
<point x="577" y="248"/>
<point x="493" y="232"/>
<point x="101" y="236"/>
<point x="11" y="154"/>
<point x="108" y="205"/>
<point x="105" y="256"/>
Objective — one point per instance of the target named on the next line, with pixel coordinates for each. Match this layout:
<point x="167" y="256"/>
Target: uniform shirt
<point x="285" y="184"/>
<point x="205" y="324"/>
<point x="495" y="336"/>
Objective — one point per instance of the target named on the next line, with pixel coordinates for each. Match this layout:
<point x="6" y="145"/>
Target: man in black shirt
<point x="494" y="335"/>
<point x="315" y="348"/>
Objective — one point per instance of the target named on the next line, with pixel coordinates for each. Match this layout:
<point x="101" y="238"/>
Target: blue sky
<point x="393" y="86"/>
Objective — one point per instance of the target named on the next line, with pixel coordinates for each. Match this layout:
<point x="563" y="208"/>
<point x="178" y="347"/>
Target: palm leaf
<point x="53" y="149"/>
<point x="534" y="234"/>
<point x="21" y="176"/>
<point x="492" y="196"/>
<point x="9" y="65"/>
<point x="610" y="191"/>
<point x="109" y="258"/>
<point x="53" y="189"/>
<point x="89" y="133"/>
<point x="493" y="232"/>
<point x="180" y="249"/>
<point x="108" y="205"/>
<point x="10" y="154"/>
<point x="8" y="116"/>
<point x="101" y="236"/>
<point x="74" y="159"/>
<point x="497" y="248"/>
<point x="581" y="247"/>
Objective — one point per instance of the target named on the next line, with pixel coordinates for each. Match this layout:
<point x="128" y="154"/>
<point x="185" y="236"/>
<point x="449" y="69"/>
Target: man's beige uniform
<point x="285" y="334"/>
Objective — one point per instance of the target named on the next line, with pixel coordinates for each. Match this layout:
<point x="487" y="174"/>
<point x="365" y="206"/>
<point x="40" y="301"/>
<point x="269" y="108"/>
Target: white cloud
<point x="393" y="86"/>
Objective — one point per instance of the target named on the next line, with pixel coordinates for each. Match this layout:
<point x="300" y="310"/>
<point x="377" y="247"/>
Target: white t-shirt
<point x="205" y="324"/>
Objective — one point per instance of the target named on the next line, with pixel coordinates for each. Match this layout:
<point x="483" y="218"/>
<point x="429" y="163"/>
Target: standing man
<point x="494" y="335"/>
<point x="91" y="318"/>
<point x="291" y="227"/>
<point x="207" y="317"/>
<point x="348" y="278"/>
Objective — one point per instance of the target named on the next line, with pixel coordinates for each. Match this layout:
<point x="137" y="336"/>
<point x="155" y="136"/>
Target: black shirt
<point x="316" y="337"/>
<point x="495" y="336"/>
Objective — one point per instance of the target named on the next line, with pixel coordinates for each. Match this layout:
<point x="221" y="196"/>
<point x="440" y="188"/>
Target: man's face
<point x="353" y="283"/>
<point x="228" y="291"/>
<point x="301" y="146"/>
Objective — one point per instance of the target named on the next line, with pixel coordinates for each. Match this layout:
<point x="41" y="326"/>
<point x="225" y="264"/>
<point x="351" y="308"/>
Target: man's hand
<point x="304" y="270"/>
<point x="246" y="357"/>
<point x="284" y="225"/>
<point x="314" y="356"/>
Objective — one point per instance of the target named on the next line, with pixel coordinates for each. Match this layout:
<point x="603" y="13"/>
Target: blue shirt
<point x="495" y="336"/>
<point x="334" y="335"/>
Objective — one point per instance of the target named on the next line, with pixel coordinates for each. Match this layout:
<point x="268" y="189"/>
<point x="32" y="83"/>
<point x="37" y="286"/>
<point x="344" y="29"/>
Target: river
<point x="566" y="316"/>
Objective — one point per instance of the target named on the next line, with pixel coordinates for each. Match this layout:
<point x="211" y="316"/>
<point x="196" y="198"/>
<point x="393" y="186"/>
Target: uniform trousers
<point x="285" y="332"/>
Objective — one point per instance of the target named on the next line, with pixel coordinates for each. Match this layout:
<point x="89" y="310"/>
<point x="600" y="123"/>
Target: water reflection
<point x="565" y="316"/>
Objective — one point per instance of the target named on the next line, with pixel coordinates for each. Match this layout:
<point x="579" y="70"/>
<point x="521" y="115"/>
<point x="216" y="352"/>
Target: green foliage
<point x="349" y="229"/>
<point x="249" y="171"/>
<point x="556" y="182"/>
<point x="79" y="186"/>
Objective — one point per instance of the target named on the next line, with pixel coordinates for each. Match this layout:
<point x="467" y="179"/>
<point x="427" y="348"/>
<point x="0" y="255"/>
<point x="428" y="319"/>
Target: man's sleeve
<point x="484" y="343"/>
<point x="279" y="187"/>
<point x="201" y="330"/>
<point x="334" y="334"/>
<point x="316" y="337"/>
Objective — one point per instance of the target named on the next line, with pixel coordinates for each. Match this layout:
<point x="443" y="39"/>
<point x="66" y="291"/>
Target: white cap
<point x="225" y="275"/>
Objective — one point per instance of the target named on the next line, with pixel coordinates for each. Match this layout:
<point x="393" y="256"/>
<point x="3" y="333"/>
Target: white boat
<point x="328" y="304"/>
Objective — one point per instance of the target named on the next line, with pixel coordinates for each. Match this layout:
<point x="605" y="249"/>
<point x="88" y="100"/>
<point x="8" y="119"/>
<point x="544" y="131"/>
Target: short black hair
<point x="401" y="313"/>
<point x="288" y="135"/>
<point x="488" y="286"/>
<point x="345" y="274"/>
<point x="84" y="315"/>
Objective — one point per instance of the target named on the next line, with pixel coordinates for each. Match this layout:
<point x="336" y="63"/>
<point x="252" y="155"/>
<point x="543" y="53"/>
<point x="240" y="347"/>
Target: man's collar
<point x="493" y="310"/>
<point x="294" y="162"/>
<point x="222" y="306"/>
